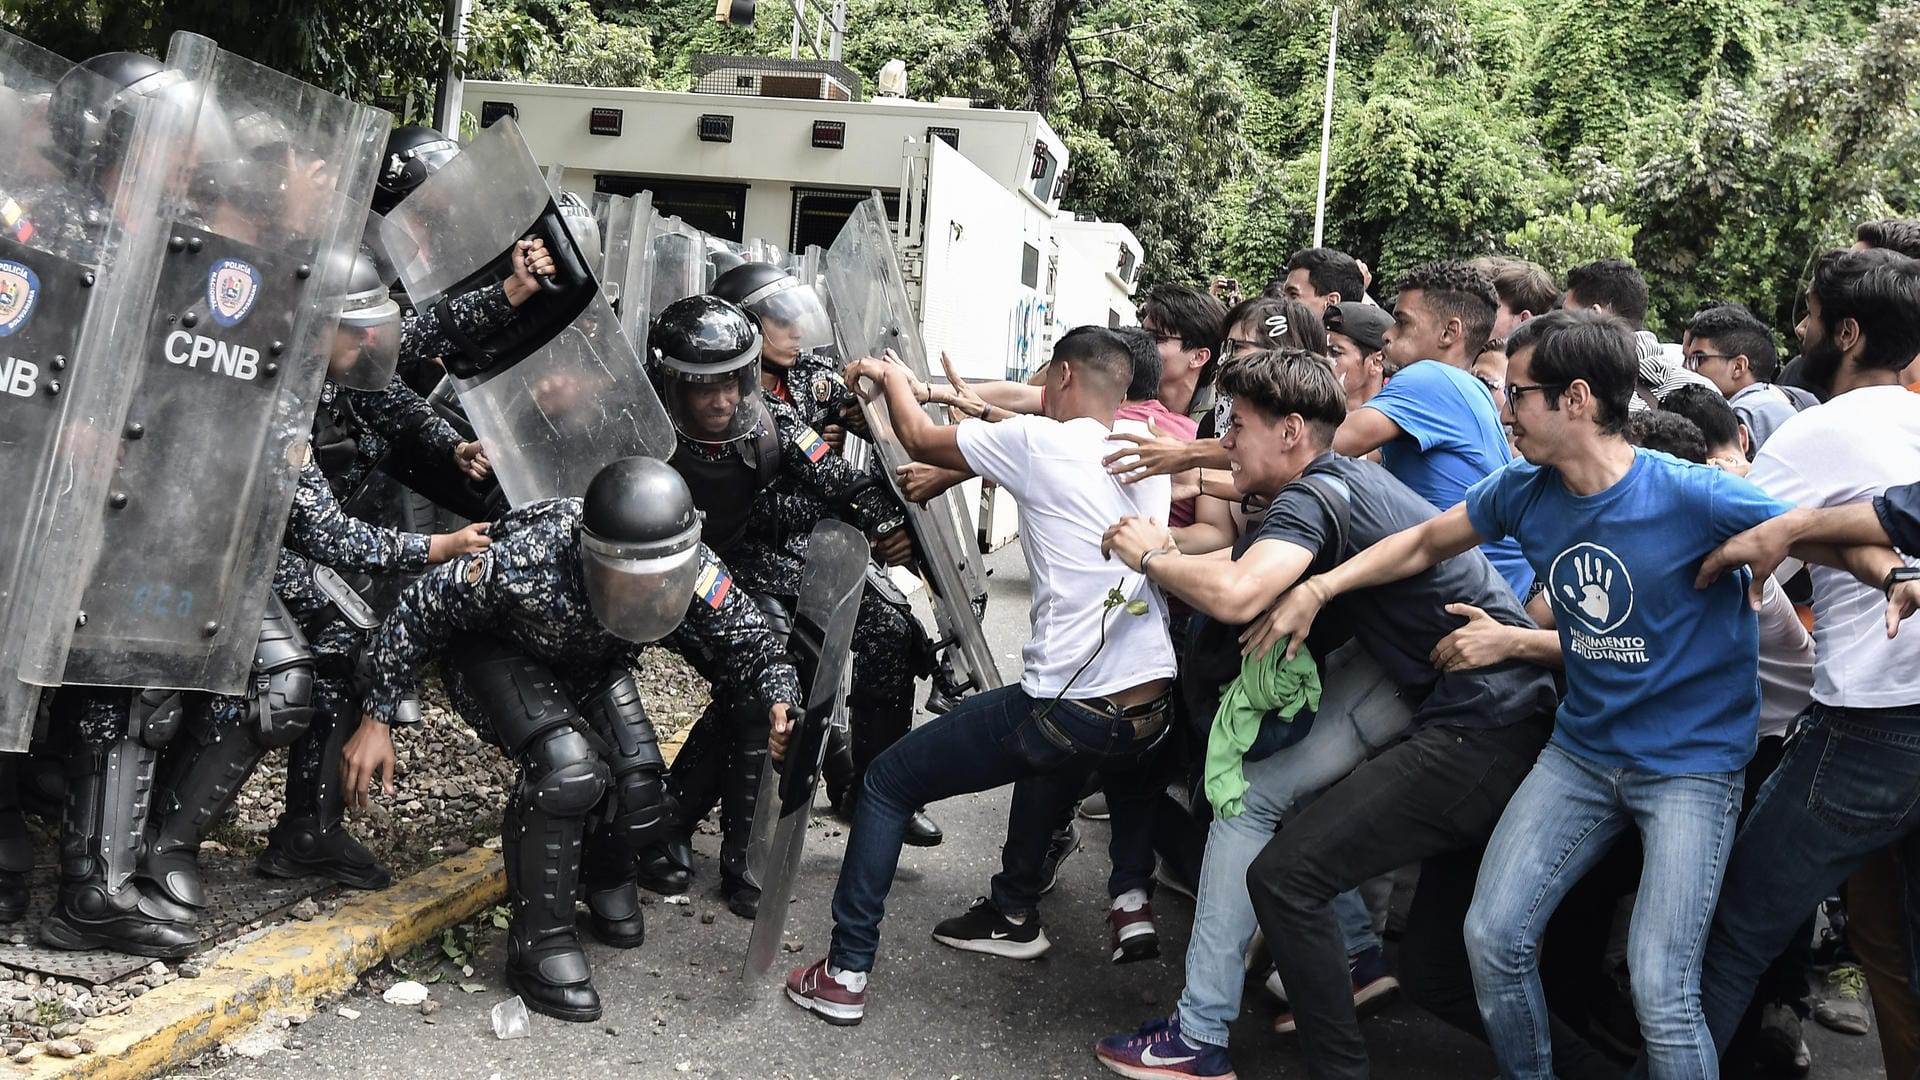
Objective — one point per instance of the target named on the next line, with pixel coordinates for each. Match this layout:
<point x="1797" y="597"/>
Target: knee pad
<point x="562" y="775"/>
<point x="618" y="718"/>
<point x="639" y="807"/>
<point x="519" y="701"/>
<point x="281" y="702"/>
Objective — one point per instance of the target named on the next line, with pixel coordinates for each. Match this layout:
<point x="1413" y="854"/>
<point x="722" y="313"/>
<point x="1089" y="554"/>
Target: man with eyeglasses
<point x="1730" y="347"/>
<point x="1185" y="324"/>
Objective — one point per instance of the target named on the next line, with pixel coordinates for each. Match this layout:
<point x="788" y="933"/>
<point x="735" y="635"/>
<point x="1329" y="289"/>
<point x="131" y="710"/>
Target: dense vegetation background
<point x="1718" y="143"/>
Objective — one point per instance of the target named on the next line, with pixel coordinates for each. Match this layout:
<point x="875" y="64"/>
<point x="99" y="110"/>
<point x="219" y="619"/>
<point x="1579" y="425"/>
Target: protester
<point x="1093" y="693"/>
<point x="1651" y="733"/>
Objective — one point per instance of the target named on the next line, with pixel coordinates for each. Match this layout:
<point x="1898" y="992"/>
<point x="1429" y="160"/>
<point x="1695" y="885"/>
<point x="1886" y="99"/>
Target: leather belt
<point x="1148" y="717"/>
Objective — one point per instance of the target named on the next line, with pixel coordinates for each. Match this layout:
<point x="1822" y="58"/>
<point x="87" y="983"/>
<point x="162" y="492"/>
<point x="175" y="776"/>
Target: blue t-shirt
<point x="1661" y="677"/>
<point x="1452" y="439"/>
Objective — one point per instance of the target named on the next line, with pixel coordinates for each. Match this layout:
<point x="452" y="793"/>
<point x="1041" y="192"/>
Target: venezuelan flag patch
<point x="15" y="219"/>
<point x="811" y="444"/>
<point x="713" y="584"/>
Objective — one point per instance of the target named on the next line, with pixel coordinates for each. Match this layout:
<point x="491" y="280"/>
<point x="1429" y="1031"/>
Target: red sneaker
<point x="814" y="990"/>
<point x="1134" y="937"/>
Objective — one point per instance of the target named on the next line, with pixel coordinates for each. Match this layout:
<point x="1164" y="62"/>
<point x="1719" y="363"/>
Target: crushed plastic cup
<point x="510" y="1019"/>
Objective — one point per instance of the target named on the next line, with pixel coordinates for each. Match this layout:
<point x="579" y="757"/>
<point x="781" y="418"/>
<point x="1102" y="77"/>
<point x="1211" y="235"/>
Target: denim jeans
<point x="1046" y="749"/>
<point x="1561" y="822"/>
<point x="1433" y="798"/>
<point x="1848" y="786"/>
<point x="1361" y="713"/>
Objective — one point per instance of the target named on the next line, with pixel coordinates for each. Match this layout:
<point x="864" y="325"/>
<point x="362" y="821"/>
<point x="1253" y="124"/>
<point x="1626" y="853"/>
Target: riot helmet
<point x="639" y="548"/>
<point x="704" y="355"/>
<point x="88" y="114"/>
<point x="413" y="153"/>
<point x="366" y="343"/>
<point x="793" y="318"/>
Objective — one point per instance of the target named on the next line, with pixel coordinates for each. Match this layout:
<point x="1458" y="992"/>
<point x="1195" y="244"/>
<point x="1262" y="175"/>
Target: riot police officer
<point x="733" y="444"/>
<point x="891" y="649"/>
<point x="537" y="639"/>
<point x="303" y="695"/>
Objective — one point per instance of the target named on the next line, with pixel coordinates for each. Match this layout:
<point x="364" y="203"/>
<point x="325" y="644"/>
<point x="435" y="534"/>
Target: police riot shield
<point x="71" y="280"/>
<point x="631" y="223"/>
<point x="266" y="182"/>
<point x="559" y="392"/>
<point x="867" y="300"/>
<point x="821" y="644"/>
<point x="677" y="263"/>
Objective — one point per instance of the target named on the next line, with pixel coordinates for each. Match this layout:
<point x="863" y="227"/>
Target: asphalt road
<point x="676" y="1007"/>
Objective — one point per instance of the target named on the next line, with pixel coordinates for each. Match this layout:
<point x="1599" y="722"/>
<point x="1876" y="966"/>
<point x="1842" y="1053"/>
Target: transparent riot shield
<point x="559" y="392"/>
<point x="265" y="183"/>
<point x="631" y="223"/>
<point x="821" y="644"/>
<point x="867" y="299"/>
<point x="677" y="263"/>
<point x="71" y="277"/>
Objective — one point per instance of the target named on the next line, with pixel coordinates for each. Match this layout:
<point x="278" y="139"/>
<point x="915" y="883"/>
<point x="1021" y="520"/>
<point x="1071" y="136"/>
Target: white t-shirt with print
<point x="1067" y="500"/>
<point x="1845" y="451"/>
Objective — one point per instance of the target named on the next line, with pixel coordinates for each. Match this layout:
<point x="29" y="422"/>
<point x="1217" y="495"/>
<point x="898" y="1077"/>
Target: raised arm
<point x="1401" y="555"/>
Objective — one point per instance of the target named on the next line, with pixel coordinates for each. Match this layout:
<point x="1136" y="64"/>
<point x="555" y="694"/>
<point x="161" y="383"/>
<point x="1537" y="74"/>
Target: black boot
<point x="877" y="726"/>
<point x="693" y="787"/>
<point x="16" y="847"/>
<point x="740" y="791"/>
<point x="100" y="905"/>
<point x="609" y="884"/>
<point x="309" y="838"/>
<point x="199" y="778"/>
<point x="545" y="964"/>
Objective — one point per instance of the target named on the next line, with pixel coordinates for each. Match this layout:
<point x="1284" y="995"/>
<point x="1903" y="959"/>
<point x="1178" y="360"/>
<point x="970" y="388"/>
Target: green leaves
<point x="1137" y="607"/>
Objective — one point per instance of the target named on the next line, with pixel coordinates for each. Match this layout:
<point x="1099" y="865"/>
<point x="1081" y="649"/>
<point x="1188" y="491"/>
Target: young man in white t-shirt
<point x="1087" y="699"/>
<point x="1849" y="784"/>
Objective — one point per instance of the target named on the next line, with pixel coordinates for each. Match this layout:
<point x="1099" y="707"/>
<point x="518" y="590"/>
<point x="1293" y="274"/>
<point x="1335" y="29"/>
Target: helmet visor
<point x="716" y="408"/>
<point x="366" y="346"/>
<point x="794" y="317"/>
<point x="641" y="598"/>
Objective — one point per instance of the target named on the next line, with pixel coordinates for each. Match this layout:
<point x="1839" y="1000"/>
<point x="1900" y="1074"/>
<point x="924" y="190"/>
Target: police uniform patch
<point x="476" y="569"/>
<point x="232" y="287"/>
<point x="19" y="288"/>
<point x="810" y="443"/>
<point x="712" y="584"/>
<point x="823" y="388"/>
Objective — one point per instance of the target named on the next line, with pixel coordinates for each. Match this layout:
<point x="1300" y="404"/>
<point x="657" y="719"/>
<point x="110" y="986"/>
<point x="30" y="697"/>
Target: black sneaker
<point x="1066" y="841"/>
<point x="984" y="930"/>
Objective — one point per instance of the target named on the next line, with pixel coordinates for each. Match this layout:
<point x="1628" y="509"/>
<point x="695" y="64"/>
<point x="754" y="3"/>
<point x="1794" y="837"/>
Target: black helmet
<point x="413" y="153"/>
<point x="367" y="344"/>
<point x="792" y="316"/>
<point x="87" y="113"/>
<point x="639" y="548"/>
<point x="699" y="348"/>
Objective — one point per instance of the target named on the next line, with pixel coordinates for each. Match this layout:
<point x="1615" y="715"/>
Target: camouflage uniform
<point x="890" y="648"/>
<point x="528" y="665"/>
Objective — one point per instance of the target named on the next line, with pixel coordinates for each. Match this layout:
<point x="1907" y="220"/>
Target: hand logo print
<point x="1592" y="584"/>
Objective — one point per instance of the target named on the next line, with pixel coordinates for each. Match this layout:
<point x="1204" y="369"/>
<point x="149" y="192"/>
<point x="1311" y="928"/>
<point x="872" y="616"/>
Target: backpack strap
<point x="1336" y="498"/>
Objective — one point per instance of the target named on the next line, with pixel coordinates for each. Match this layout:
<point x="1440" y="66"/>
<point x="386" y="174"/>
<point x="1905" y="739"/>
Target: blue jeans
<point x="1848" y="787"/>
<point x="1565" y="816"/>
<point x="1046" y="749"/>
<point x="1361" y="713"/>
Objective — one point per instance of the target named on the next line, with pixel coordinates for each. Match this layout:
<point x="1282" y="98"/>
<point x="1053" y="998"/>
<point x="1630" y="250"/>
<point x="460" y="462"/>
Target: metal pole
<point x="1326" y="135"/>
<point x="799" y="17"/>
<point x="450" y="99"/>
<point x="839" y="23"/>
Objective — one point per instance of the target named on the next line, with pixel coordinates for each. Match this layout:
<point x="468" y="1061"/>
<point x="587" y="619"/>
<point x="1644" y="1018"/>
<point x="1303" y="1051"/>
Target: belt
<point x="1148" y="717"/>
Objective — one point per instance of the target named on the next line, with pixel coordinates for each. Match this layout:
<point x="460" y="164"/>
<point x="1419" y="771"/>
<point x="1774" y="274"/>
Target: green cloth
<point x="1262" y="686"/>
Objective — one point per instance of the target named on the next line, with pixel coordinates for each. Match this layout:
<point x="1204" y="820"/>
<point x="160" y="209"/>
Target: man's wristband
<point x="1897" y="575"/>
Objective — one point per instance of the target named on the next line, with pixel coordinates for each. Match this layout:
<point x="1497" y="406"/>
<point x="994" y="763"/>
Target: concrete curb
<point x="288" y="967"/>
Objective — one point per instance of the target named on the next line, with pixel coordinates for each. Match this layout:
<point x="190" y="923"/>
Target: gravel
<point x="449" y="790"/>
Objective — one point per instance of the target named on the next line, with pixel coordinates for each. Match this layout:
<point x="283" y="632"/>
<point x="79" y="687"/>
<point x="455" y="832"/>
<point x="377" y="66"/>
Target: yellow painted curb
<point x="287" y="968"/>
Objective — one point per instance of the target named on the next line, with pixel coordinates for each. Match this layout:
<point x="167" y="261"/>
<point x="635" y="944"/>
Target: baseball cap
<point x="1364" y="323"/>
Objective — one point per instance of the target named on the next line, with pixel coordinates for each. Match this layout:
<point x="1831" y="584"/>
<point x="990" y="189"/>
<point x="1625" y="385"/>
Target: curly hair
<point x="1455" y="290"/>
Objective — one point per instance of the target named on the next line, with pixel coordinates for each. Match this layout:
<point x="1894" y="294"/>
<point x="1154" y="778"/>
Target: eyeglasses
<point x="1692" y="361"/>
<point x="1233" y="347"/>
<point x="1518" y="390"/>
